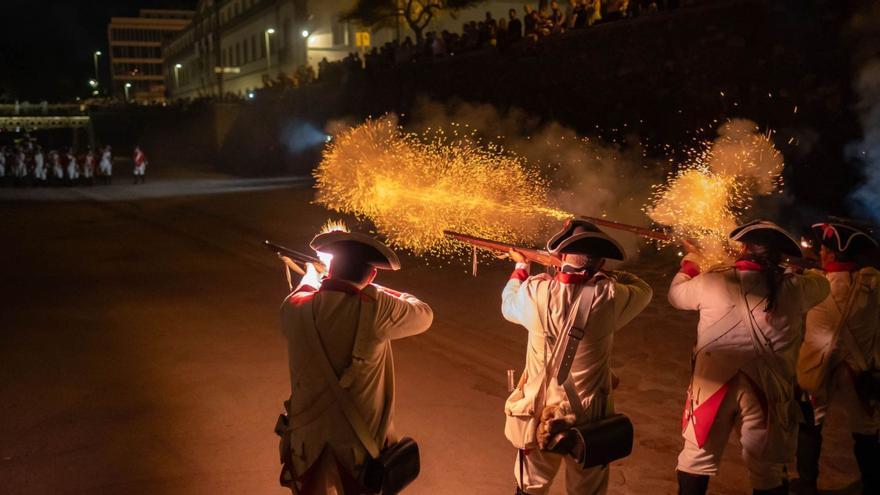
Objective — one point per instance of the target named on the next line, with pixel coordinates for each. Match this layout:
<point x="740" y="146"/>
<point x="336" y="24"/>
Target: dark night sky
<point x="46" y="46"/>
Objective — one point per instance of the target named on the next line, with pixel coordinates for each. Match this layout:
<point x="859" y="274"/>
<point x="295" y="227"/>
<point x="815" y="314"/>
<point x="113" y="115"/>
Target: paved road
<point x="140" y="352"/>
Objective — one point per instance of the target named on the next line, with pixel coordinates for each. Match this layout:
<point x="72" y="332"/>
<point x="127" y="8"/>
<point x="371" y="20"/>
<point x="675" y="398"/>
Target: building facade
<point x="233" y="47"/>
<point x="136" y="56"/>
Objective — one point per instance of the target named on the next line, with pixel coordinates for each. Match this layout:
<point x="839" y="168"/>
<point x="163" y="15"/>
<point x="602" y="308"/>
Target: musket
<point x="633" y="229"/>
<point x="296" y="256"/>
<point x="535" y="255"/>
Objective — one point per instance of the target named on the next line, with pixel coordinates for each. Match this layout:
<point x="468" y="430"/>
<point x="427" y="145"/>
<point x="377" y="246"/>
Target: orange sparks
<point x="413" y="187"/>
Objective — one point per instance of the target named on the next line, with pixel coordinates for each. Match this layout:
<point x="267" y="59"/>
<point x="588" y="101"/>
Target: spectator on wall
<point x="557" y="18"/>
<point x="531" y="24"/>
<point x="514" y="27"/>
<point x="578" y="16"/>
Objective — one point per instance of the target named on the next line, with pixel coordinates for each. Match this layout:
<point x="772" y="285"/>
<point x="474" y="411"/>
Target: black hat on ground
<point x="356" y="245"/>
<point x="582" y="237"/>
<point x="767" y="233"/>
<point x="844" y="238"/>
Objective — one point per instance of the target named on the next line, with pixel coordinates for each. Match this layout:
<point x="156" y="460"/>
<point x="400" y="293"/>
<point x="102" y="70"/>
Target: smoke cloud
<point x="587" y="175"/>
<point x="866" y="27"/>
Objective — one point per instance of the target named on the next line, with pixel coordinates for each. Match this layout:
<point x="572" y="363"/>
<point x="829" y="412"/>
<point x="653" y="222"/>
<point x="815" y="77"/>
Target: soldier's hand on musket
<point x="516" y="256"/>
<point x="292" y="265"/>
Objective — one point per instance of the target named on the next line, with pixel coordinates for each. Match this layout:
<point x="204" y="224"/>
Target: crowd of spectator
<point x="531" y="25"/>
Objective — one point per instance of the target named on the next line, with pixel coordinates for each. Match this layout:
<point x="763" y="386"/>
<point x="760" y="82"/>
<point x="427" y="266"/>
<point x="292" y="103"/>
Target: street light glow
<point x="178" y="66"/>
<point x="127" y="85"/>
<point x="305" y="33"/>
<point x="271" y="30"/>
<point x="98" y="53"/>
<point x="93" y="83"/>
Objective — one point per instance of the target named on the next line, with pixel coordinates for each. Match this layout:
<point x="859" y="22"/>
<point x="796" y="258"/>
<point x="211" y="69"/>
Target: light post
<point x="269" y="32"/>
<point x="127" y="87"/>
<point x="177" y="68"/>
<point x="95" y="58"/>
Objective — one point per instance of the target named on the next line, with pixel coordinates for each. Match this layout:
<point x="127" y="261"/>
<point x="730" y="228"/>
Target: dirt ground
<point x="140" y="351"/>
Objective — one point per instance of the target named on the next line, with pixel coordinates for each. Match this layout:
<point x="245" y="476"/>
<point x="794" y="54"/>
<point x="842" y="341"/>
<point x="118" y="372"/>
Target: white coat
<point x="725" y="345"/>
<point x="361" y="359"/>
<point x="106" y="165"/>
<point x="542" y="303"/>
<point x="822" y="349"/>
<point x="39" y="166"/>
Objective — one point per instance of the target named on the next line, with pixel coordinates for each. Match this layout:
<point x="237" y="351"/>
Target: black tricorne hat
<point x="767" y="233"/>
<point x="582" y="237"/>
<point x="371" y="251"/>
<point x="843" y="238"/>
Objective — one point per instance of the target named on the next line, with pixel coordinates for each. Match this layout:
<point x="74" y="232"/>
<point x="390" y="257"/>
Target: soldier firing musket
<point x="562" y="411"/>
<point x="339" y="326"/>
<point x="749" y="333"/>
<point x="839" y="359"/>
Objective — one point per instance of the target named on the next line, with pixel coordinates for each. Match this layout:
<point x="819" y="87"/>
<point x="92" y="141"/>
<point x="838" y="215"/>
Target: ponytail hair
<point x="769" y="260"/>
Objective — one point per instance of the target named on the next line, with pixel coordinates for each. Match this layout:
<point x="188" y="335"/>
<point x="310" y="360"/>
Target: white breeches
<point x="740" y="408"/>
<point x="139" y="170"/>
<point x="840" y="388"/>
<point x="540" y="467"/>
<point x="106" y="168"/>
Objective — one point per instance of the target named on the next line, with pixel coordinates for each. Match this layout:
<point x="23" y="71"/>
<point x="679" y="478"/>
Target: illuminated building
<point x="234" y="46"/>
<point x="136" y="51"/>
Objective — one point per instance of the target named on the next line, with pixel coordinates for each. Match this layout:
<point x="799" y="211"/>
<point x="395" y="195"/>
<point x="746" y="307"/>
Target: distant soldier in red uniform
<point x="140" y="165"/>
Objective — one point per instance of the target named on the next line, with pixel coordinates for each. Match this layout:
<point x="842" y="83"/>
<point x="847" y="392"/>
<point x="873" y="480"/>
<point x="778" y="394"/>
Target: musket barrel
<point x="291" y="253"/>
<point x="633" y="229"/>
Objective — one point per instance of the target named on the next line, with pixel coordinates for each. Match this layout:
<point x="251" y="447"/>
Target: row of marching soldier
<point x="29" y="165"/>
<point x="775" y="345"/>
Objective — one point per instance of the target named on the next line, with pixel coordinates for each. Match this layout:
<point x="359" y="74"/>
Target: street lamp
<point x="127" y="87"/>
<point x="177" y="68"/>
<point x="93" y="83"/>
<point x="268" y="32"/>
<point x="305" y="33"/>
<point x="95" y="58"/>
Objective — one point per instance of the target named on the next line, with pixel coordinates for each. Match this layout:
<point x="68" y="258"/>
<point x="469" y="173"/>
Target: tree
<point x="418" y="14"/>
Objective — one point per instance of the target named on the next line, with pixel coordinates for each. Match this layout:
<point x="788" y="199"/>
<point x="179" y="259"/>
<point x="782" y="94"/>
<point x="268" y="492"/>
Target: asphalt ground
<point x="140" y="351"/>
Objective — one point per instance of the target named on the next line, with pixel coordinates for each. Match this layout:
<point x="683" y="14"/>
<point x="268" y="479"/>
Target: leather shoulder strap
<point x="843" y="331"/>
<point x="355" y="419"/>
<point x="762" y="345"/>
<point x="572" y="337"/>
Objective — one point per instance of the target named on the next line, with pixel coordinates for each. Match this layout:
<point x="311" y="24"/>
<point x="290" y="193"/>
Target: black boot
<point x="867" y="451"/>
<point x="692" y="484"/>
<point x="809" y="448"/>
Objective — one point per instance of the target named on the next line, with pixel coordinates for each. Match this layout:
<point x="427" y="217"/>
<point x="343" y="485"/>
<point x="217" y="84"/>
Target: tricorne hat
<point x="769" y="234"/>
<point x="582" y="237"/>
<point x="843" y="238"/>
<point x="340" y="243"/>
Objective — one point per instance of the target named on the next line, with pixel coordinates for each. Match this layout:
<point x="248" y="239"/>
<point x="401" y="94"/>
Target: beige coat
<point x="361" y="359"/>
<point x="541" y="304"/>
<point x="727" y="344"/>
<point x="823" y="350"/>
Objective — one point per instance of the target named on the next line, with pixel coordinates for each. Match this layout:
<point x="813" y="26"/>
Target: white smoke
<point x="866" y="26"/>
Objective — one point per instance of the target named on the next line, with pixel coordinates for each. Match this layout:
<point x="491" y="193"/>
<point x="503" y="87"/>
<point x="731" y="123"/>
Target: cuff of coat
<point x="521" y="272"/>
<point x="689" y="267"/>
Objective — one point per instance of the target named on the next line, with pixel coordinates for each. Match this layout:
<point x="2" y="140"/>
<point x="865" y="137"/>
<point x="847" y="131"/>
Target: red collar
<point x="840" y="266"/>
<point x="571" y="278"/>
<point x="577" y="278"/>
<point x="748" y="266"/>
<point x="338" y="285"/>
